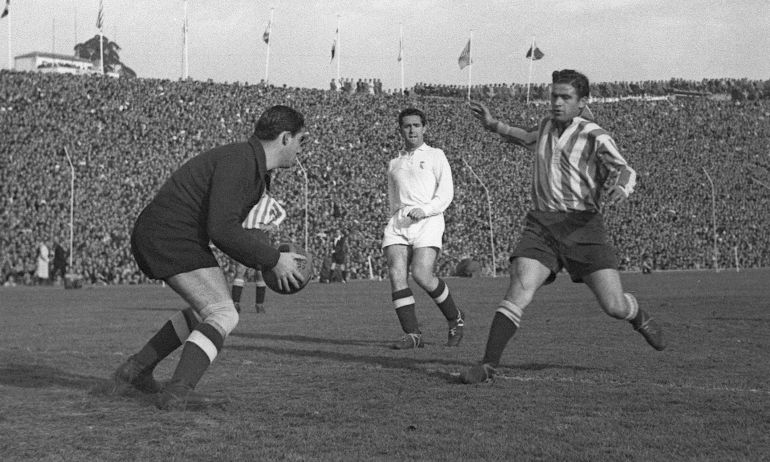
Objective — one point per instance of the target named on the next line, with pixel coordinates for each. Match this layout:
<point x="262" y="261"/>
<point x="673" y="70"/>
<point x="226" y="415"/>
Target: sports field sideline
<point x="313" y="378"/>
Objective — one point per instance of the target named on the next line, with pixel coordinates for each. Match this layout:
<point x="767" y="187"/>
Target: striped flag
<point x="100" y="15"/>
<point x="266" y="34"/>
<point x="5" y="11"/>
<point x="465" y="57"/>
<point x="536" y="54"/>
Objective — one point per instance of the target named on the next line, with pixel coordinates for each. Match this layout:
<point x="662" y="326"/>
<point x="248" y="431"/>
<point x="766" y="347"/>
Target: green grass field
<point x="313" y="378"/>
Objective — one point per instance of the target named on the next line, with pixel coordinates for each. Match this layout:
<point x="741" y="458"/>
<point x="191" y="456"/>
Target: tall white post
<point x="337" y="49"/>
<point x="470" y="63"/>
<point x="489" y="214"/>
<point x="267" y="56"/>
<point x="307" y="205"/>
<point x="186" y="61"/>
<point x="401" y="53"/>
<point x="10" y="56"/>
<point x="713" y="219"/>
<point x="72" y="203"/>
<point x="531" y="61"/>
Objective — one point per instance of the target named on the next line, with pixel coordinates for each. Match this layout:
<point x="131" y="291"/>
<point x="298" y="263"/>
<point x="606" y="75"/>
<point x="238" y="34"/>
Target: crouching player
<point x="576" y="165"/>
<point x="207" y="199"/>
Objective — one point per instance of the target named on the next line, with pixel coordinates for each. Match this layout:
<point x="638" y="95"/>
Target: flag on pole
<point x="536" y="54"/>
<point x="400" y="49"/>
<point x="334" y="44"/>
<point x="465" y="57"/>
<point x="266" y="35"/>
<point x="99" y="15"/>
<point x="5" y="11"/>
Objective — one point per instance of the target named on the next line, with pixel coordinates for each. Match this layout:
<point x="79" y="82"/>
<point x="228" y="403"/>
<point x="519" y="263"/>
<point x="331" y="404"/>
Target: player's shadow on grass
<point x="41" y="376"/>
<point x="423" y="365"/>
<point x="307" y="339"/>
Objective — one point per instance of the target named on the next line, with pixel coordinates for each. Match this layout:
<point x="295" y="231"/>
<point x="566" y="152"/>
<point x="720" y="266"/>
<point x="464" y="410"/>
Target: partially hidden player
<point x="577" y="165"/>
<point x="420" y="189"/>
<point x="207" y="199"/>
<point x="266" y="216"/>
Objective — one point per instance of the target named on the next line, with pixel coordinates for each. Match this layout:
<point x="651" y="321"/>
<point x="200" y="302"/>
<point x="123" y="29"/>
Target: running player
<point x="576" y="166"/>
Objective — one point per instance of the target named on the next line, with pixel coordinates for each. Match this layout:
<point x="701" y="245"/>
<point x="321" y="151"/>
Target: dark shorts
<point x="576" y="241"/>
<point x="162" y="249"/>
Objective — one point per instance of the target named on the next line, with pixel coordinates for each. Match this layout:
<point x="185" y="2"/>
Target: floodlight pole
<point x="72" y="201"/>
<point x="307" y="206"/>
<point x="713" y="218"/>
<point x="489" y="209"/>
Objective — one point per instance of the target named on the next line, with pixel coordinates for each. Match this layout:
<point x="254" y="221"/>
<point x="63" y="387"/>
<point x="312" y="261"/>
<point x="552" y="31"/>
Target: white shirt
<point x="420" y="179"/>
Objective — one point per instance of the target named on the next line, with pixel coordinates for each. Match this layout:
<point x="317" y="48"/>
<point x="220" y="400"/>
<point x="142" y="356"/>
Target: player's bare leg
<point x="527" y="275"/>
<point x="239" y="280"/>
<point x="207" y="291"/>
<point x="423" y="262"/>
<point x="606" y="285"/>
<point x="403" y="298"/>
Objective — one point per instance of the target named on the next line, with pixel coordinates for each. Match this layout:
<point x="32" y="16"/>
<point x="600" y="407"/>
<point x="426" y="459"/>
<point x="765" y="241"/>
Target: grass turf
<point x="314" y="379"/>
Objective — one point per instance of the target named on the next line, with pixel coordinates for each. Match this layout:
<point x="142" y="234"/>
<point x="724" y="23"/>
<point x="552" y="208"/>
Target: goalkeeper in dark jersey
<point x="206" y="200"/>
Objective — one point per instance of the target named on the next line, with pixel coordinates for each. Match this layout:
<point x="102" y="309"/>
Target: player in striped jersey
<point x="577" y="167"/>
<point x="420" y="188"/>
<point x="266" y="216"/>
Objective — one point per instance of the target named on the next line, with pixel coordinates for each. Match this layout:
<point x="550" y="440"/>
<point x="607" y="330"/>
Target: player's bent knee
<point x="222" y="316"/>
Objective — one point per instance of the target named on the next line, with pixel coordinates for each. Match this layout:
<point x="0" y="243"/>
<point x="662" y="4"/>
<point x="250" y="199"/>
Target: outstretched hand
<point x="287" y="271"/>
<point x="481" y="112"/>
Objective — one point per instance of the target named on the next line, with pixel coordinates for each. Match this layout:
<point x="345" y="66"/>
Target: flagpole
<point x="267" y="56"/>
<point x="10" y="55"/>
<point x="401" y="53"/>
<point x="338" y="47"/>
<point x="101" y="34"/>
<point x="470" y="63"/>
<point x="186" y="56"/>
<point x="531" y="61"/>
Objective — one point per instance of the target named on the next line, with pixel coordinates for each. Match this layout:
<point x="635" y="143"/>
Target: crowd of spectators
<point x="125" y="136"/>
<point x="735" y="89"/>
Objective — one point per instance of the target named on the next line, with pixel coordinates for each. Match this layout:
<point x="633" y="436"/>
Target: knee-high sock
<point x="403" y="301"/>
<point x="199" y="351"/>
<point x="170" y="337"/>
<point x="444" y="300"/>
<point x="504" y="325"/>
<point x="237" y="289"/>
<point x="260" y="292"/>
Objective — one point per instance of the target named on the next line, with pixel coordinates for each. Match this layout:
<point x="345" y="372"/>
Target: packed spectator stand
<point x="126" y="136"/>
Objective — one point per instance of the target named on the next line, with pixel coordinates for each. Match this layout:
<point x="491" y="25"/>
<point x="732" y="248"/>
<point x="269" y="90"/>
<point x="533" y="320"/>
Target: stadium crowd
<point x="125" y="136"/>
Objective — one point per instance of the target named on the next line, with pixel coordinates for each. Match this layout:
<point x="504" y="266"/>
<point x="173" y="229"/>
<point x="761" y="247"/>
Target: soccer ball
<point x="305" y="267"/>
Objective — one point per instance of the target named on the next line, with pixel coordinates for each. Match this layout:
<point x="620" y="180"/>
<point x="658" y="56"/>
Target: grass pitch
<point x="313" y="378"/>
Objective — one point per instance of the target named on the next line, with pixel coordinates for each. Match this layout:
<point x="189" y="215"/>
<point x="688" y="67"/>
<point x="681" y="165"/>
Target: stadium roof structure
<point x="43" y="54"/>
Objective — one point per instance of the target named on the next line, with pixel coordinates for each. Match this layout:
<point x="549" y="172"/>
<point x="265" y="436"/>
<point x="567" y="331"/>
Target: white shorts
<point x="405" y="231"/>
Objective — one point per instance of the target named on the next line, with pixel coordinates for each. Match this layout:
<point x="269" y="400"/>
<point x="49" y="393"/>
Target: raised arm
<point x="515" y="135"/>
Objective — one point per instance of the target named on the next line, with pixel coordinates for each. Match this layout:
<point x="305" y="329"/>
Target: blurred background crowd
<point x="125" y="137"/>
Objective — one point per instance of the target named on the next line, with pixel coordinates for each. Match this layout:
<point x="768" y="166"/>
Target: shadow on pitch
<point x="422" y="365"/>
<point x="41" y="376"/>
<point x="307" y="339"/>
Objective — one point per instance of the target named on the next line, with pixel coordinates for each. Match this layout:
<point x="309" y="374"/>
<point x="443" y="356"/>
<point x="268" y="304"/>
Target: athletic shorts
<point x="405" y="231"/>
<point x="163" y="249"/>
<point x="575" y="241"/>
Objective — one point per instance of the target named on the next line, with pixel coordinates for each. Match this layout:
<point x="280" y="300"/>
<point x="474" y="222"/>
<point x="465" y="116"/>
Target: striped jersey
<point x="267" y="212"/>
<point x="573" y="169"/>
<point x="420" y="179"/>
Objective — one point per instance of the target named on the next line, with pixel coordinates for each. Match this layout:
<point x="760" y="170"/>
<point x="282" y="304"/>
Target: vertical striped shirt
<point x="267" y="212"/>
<point x="573" y="169"/>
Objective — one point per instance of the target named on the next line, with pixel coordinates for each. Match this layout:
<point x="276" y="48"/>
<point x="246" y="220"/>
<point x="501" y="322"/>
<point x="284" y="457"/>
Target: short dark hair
<point x="410" y="111"/>
<point x="276" y="120"/>
<point x="574" y="78"/>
